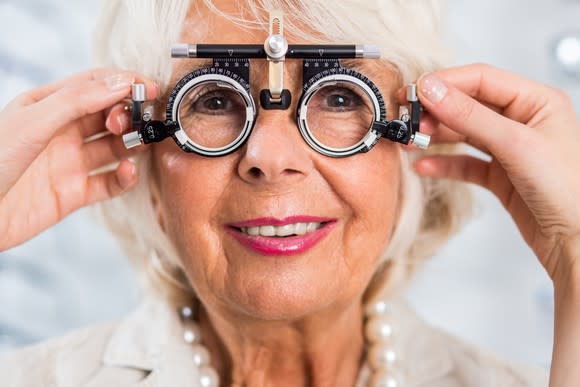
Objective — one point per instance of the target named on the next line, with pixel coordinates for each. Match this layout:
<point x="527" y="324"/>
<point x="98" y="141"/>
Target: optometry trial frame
<point x="211" y="111"/>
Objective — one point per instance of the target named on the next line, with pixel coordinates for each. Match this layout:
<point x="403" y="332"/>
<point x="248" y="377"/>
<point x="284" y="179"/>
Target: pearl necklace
<point x="379" y="332"/>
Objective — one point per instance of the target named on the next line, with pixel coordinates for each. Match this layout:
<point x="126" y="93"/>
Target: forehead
<point x="222" y="26"/>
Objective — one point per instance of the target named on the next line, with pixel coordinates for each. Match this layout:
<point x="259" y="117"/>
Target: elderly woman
<point x="276" y="264"/>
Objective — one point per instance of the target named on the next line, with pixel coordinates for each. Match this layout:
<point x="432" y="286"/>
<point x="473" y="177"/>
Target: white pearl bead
<point x="208" y="377"/>
<point x="378" y="308"/>
<point x="379" y="328"/>
<point x="186" y="312"/>
<point x="383" y="378"/>
<point x="382" y="356"/>
<point x="192" y="334"/>
<point x="200" y="355"/>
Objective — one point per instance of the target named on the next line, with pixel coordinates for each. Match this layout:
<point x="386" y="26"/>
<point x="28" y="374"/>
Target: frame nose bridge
<point x="293" y="76"/>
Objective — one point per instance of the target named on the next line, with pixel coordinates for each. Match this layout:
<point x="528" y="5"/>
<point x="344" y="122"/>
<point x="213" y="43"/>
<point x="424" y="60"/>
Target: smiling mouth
<point x="285" y="231"/>
<point x="275" y="237"/>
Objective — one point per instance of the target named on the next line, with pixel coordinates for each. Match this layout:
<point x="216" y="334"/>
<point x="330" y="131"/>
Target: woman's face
<point x="276" y="179"/>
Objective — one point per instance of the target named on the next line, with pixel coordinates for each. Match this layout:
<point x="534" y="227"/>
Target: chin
<point x="287" y="296"/>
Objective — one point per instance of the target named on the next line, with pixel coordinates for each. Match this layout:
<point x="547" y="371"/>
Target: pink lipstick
<point x="276" y="245"/>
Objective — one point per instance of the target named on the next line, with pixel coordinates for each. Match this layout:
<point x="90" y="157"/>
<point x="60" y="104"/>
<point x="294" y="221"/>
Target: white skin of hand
<point x="47" y="154"/>
<point x="533" y="135"/>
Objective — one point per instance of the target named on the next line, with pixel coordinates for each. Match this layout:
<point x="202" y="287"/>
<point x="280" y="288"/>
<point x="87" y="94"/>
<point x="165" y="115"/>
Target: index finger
<point x="470" y="118"/>
<point x="518" y="97"/>
<point x="40" y="93"/>
<point x="37" y="123"/>
<point x="512" y="95"/>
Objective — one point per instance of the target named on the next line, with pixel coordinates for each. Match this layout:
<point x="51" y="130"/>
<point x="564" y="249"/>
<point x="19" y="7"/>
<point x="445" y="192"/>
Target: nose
<point x="275" y="152"/>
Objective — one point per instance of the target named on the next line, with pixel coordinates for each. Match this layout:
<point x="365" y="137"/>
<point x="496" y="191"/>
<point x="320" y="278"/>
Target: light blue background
<point x="485" y="286"/>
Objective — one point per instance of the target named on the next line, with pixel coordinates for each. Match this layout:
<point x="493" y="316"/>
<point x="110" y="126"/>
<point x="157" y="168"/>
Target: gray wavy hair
<point x="137" y="35"/>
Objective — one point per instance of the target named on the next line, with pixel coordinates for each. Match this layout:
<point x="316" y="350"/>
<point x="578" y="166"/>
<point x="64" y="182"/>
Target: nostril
<point x="255" y="172"/>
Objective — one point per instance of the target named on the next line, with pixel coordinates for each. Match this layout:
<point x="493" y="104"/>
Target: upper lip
<point x="270" y="221"/>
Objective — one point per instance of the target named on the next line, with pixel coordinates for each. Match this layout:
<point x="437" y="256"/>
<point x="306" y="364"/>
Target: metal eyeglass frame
<point x="231" y="68"/>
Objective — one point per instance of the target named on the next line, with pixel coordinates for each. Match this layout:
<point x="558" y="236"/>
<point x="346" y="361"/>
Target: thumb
<point x="465" y="115"/>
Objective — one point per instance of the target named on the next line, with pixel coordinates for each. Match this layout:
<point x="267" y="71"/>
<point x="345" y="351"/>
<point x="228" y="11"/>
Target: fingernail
<point x="128" y="181"/>
<point x="118" y="82"/>
<point x="133" y="170"/>
<point x="432" y="88"/>
<point x="123" y="122"/>
<point x="423" y="167"/>
<point x="108" y="122"/>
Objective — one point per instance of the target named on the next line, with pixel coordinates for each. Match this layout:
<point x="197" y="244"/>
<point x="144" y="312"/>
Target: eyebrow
<point x="355" y="64"/>
<point x="189" y="67"/>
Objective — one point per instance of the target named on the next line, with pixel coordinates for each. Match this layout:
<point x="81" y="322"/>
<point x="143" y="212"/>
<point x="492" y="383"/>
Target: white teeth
<point x="285" y="230"/>
<point x="282" y="231"/>
<point x="267" y="230"/>
<point x="301" y="228"/>
<point x="253" y="230"/>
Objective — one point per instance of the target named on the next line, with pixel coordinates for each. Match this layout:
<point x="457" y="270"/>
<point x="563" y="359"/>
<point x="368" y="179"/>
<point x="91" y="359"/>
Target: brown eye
<point x="217" y="103"/>
<point x="337" y="100"/>
<point x="340" y="99"/>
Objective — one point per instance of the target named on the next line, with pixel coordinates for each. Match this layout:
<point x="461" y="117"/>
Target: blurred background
<point x="485" y="286"/>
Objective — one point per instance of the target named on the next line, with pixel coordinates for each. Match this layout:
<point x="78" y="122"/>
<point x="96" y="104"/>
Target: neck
<point x="322" y="350"/>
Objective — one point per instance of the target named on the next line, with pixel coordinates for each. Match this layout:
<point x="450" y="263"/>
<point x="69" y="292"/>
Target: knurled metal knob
<point x="421" y="140"/>
<point x="138" y="92"/>
<point x="276" y="46"/>
<point x="412" y="93"/>
<point x="132" y="139"/>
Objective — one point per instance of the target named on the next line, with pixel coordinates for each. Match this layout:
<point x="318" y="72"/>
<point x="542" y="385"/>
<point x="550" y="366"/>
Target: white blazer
<point x="147" y="349"/>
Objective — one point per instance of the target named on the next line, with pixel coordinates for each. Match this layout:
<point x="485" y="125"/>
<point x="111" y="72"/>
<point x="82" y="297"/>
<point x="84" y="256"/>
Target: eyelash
<point x="205" y="94"/>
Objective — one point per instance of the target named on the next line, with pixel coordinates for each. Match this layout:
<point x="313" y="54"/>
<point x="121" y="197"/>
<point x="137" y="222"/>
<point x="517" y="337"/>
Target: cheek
<point x="191" y="188"/>
<point x="372" y="195"/>
<point x="189" y="185"/>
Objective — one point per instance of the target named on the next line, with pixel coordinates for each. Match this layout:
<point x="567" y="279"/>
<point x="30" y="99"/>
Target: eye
<point x="337" y="100"/>
<point x="340" y="99"/>
<point x="217" y="102"/>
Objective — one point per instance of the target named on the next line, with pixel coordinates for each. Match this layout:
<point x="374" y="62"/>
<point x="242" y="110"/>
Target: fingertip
<point x="432" y="88"/>
<point x="119" y="83"/>
<point x="424" y="167"/>
<point x="152" y="88"/>
<point x="126" y="174"/>
<point x="109" y="123"/>
<point x="420" y="79"/>
<point x="118" y="119"/>
<point x="122" y="122"/>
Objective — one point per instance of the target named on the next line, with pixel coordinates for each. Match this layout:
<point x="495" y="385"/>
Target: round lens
<point x="339" y="114"/>
<point x="212" y="114"/>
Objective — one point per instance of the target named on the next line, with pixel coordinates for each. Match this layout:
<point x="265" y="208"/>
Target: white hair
<point x="137" y="35"/>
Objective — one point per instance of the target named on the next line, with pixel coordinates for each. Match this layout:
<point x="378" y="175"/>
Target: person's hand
<point x="50" y="150"/>
<point x="533" y="136"/>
